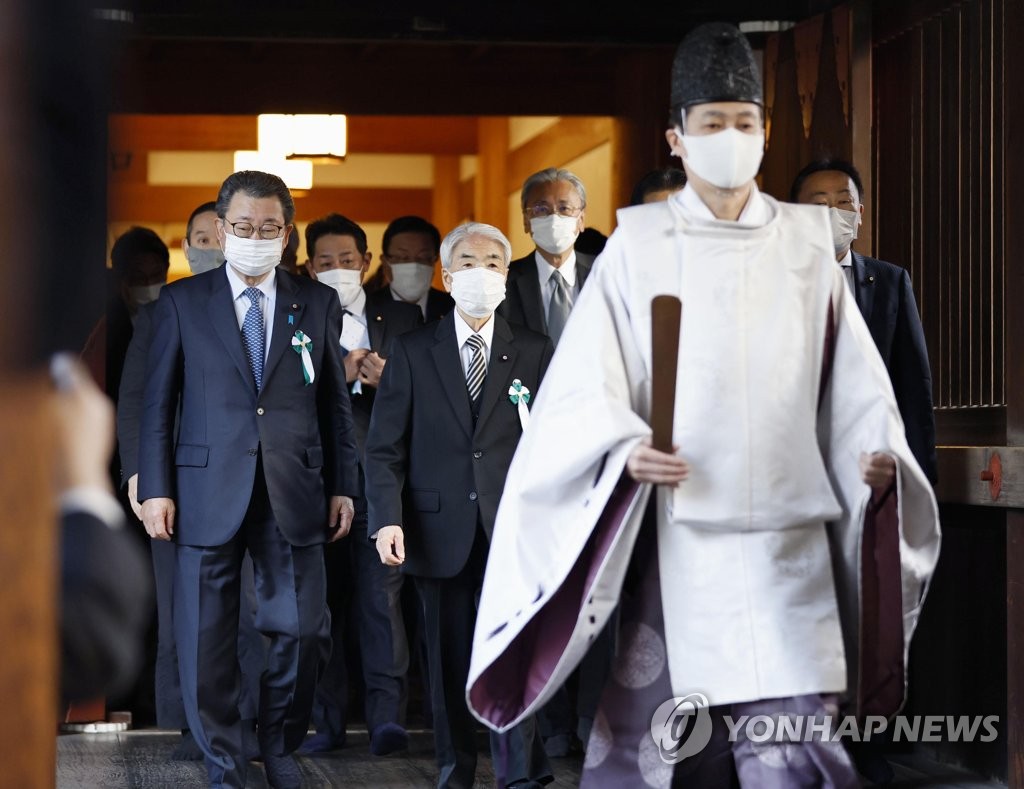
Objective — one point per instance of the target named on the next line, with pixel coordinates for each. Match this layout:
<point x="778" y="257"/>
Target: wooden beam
<point x="417" y="134"/>
<point x="556" y="145"/>
<point x="132" y="202"/>
<point x="491" y="197"/>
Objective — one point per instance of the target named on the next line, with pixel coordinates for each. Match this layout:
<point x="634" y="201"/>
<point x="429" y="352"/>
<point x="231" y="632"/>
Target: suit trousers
<point x="449" y="607"/>
<point x="291" y="614"/>
<point x="379" y="626"/>
<point x="170" y="711"/>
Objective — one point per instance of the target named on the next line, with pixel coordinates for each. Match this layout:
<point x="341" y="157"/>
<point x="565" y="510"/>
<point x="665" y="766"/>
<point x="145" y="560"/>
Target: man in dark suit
<point x="886" y="299"/>
<point x="252" y="353"/>
<point x="448" y="417"/>
<point x="203" y="252"/>
<point x="543" y="286"/>
<point x="408" y="261"/>
<point x="338" y="257"/>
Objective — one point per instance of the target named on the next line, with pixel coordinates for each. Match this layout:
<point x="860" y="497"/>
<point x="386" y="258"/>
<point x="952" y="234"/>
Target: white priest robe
<point x="760" y="549"/>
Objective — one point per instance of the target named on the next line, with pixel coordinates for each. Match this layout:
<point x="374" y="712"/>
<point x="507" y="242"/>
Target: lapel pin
<point x="295" y="306"/>
<point x="504" y="358"/>
<point x="291" y="320"/>
<point x="871" y="279"/>
<point x="379" y="318"/>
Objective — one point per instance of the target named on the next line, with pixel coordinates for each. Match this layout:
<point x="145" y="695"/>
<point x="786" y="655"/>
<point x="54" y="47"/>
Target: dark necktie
<point x="477" y="370"/>
<point x="558" y="307"/>
<point x="254" y="334"/>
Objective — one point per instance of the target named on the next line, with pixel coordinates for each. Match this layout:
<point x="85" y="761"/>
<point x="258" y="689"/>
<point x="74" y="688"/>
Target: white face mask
<point x="726" y="159"/>
<point x="252" y="257"/>
<point x="145" y="294"/>
<point x="200" y="260"/>
<point x="556" y="233"/>
<point x="844" y="228"/>
<point x="478" y="291"/>
<point x="346" y="282"/>
<point x="411" y="281"/>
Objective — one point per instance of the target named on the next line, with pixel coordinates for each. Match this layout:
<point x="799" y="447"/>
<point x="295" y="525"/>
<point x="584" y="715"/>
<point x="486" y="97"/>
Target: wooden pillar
<point x="446" y="198"/>
<point x="860" y="92"/>
<point x="28" y="544"/>
<point x="490" y="201"/>
<point x="638" y="139"/>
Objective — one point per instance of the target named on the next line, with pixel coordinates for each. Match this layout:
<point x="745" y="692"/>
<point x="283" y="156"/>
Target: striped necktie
<point x="477" y="370"/>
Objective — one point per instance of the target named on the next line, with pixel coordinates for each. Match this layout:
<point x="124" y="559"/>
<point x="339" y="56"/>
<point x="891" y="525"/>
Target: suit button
<point x="473" y="496"/>
<point x="259" y="411"/>
<point x="478" y="454"/>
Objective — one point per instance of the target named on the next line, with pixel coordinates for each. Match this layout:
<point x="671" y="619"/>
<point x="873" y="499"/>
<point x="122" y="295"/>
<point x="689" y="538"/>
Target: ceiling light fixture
<point x="320" y="139"/>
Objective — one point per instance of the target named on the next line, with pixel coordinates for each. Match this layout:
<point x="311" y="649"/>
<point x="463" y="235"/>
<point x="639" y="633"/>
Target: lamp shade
<point x="314" y="137"/>
<point x="296" y="174"/>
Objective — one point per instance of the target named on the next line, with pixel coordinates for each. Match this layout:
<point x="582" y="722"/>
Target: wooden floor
<point x="139" y="760"/>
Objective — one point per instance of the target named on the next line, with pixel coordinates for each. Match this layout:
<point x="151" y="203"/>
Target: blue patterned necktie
<point x="254" y="334"/>
<point x="477" y="370"/>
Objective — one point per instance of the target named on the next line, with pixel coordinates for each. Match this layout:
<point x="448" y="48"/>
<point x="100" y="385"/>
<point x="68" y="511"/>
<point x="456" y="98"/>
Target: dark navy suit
<point x="438" y="470"/>
<point x="170" y="711"/>
<point x="886" y="300"/>
<point x="249" y="471"/>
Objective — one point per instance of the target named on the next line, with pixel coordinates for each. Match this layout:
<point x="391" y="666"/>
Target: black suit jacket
<point x="886" y="300"/>
<point x="439" y="303"/>
<point x="385" y="320"/>
<point x="423" y="439"/>
<point x="106" y="601"/>
<point x="304" y="432"/>
<point x="523" y="302"/>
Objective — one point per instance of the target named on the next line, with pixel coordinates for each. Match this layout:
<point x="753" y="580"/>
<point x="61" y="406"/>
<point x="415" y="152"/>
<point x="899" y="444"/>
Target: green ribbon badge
<point x="302" y="345"/>
<point x="518" y="393"/>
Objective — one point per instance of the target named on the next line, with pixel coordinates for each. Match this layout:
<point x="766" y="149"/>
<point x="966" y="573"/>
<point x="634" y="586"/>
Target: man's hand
<point x="133" y="495"/>
<point x="84" y="418"/>
<point x="877" y="469"/>
<point x="391" y="545"/>
<point x="339" y="517"/>
<point x="647" y="464"/>
<point x="353" y="361"/>
<point x="371" y="369"/>
<point x="158" y="518"/>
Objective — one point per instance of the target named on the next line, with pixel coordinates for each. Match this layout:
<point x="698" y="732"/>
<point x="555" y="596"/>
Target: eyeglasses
<point x="246" y="230"/>
<point x="423" y="261"/>
<point x="540" y="210"/>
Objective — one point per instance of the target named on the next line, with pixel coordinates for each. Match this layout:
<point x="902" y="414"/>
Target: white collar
<point x="567" y="269"/>
<point x="268" y="286"/>
<point x="847" y="260"/>
<point x="754" y="214"/>
<point x="463" y="330"/>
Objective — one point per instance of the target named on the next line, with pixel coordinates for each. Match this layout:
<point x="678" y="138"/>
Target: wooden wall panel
<point x="937" y="200"/>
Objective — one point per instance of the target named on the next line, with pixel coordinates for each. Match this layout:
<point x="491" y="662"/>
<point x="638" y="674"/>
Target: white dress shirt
<point x="847" y="264"/>
<point x="267" y="287"/>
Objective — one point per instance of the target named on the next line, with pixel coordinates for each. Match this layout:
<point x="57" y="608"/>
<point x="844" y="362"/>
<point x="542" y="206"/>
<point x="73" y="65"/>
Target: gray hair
<point x="462" y="232"/>
<point x="550" y="176"/>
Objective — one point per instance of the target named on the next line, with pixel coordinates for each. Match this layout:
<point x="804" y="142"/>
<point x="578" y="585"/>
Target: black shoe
<point x="388" y="738"/>
<point x="321" y="743"/>
<point x="187" y="750"/>
<point x="282" y="771"/>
